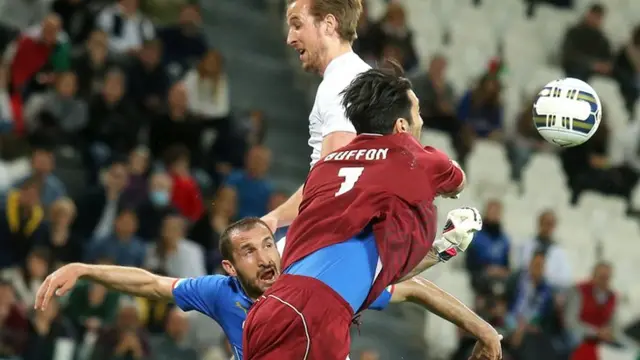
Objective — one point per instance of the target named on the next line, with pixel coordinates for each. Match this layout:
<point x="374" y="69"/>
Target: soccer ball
<point x="567" y="112"/>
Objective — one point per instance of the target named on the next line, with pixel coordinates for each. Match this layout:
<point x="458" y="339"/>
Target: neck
<point x="334" y="53"/>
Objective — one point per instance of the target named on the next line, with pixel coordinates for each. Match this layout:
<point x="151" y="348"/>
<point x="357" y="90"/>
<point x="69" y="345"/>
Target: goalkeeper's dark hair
<point x="377" y="98"/>
<point x="248" y="223"/>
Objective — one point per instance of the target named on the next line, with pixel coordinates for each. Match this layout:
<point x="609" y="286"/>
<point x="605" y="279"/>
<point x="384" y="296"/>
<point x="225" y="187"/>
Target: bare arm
<point x="428" y="295"/>
<point x="133" y="281"/>
<point x="284" y="214"/>
<point x="130" y="280"/>
<point x="429" y="261"/>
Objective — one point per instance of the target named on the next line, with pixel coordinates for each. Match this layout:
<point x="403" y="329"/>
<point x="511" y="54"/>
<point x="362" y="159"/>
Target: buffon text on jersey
<point x="361" y="154"/>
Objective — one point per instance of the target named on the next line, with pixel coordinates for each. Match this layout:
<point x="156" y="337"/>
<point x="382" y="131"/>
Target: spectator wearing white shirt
<point x="208" y="88"/>
<point x="557" y="267"/>
<point x="126" y="26"/>
<point x="173" y="254"/>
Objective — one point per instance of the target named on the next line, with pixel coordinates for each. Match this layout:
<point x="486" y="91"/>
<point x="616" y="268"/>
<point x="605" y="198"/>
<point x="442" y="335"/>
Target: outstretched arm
<point x="428" y="295"/>
<point x="130" y="280"/>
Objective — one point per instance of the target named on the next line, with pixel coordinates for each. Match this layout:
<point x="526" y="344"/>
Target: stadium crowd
<point x="119" y="146"/>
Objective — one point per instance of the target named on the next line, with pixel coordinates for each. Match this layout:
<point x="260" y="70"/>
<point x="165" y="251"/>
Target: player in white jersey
<point x="322" y="32"/>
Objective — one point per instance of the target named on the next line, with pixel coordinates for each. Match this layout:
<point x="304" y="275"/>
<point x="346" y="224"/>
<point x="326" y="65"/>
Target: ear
<point x="229" y="268"/>
<point x="331" y="24"/>
<point x="401" y="126"/>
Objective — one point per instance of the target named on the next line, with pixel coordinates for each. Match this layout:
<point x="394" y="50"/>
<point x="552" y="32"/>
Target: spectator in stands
<point x="113" y="125"/>
<point x="171" y="345"/>
<point x="184" y="42"/>
<point x="126" y="26"/>
<point x="586" y="50"/>
<point x="156" y="206"/>
<point x="13" y="324"/>
<point x="488" y="256"/>
<point x="590" y="314"/>
<point x="123" y="247"/>
<point x="77" y="18"/>
<point x="21" y="223"/>
<point x="525" y="143"/>
<point x="557" y="267"/>
<point x="207" y="230"/>
<point x="208" y="88"/>
<point x="253" y="188"/>
<point x="91" y="306"/>
<point x="29" y="275"/>
<point x="65" y="246"/>
<point x="185" y="193"/>
<point x="98" y="207"/>
<point x="480" y="109"/>
<point x="38" y="53"/>
<point x="437" y="104"/>
<point x="58" y="113"/>
<point x="153" y="314"/>
<point x="137" y="190"/>
<point x="43" y="163"/>
<point x="91" y="64"/>
<point x="6" y="111"/>
<point x="177" y="127"/>
<point x="588" y="167"/>
<point x="173" y="254"/>
<point x="126" y="340"/>
<point x="148" y="82"/>
<point x="627" y="70"/>
<point x="50" y="335"/>
<point x="365" y="44"/>
<point x="393" y="29"/>
<point x="531" y="307"/>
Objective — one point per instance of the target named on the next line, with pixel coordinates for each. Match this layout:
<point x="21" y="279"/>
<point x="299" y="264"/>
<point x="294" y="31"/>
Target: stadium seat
<point x="438" y="140"/>
<point x="544" y="181"/>
<point x="596" y="204"/>
<point x="487" y="165"/>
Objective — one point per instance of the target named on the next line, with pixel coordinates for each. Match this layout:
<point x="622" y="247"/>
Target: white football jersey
<point x="327" y="115"/>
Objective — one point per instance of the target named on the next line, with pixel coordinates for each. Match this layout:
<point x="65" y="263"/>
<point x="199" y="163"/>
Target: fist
<point x="462" y="224"/>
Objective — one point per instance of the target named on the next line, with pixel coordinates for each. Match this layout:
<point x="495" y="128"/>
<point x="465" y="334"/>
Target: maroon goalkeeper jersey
<point x="388" y="182"/>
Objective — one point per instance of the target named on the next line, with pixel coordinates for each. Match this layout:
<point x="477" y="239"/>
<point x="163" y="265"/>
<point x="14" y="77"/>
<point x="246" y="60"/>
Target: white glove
<point x="462" y="224"/>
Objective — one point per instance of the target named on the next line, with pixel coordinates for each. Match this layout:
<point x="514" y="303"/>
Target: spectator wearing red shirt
<point x="185" y="194"/>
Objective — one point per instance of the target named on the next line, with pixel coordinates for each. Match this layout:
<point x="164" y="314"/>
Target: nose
<point x="291" y="40"/>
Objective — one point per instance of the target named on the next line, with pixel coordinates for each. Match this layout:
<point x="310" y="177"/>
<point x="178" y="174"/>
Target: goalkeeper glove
<point x="462" y="224"/>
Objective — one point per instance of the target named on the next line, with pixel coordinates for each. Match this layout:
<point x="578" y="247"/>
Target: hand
<point x="58" y="283"/>
<point x="488" y="349"/>
<point x="461" y="226"/>
<point x="271" y="221"/>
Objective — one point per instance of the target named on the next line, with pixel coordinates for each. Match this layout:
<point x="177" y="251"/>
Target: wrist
<point x="85" y="270"/>
<point x="488" y="334"/>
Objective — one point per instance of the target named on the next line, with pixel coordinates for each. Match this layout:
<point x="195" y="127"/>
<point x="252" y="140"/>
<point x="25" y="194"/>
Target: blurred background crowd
<point x="132" y="132"/>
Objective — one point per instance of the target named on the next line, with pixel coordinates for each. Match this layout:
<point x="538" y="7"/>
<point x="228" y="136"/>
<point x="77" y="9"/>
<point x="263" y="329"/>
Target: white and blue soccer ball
<point x="567" y="112"/>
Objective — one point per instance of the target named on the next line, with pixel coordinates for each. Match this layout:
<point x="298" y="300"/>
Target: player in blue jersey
<point x="253" y="262"/>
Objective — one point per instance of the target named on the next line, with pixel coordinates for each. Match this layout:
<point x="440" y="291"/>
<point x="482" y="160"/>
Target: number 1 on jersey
<point x="351" y="176"/>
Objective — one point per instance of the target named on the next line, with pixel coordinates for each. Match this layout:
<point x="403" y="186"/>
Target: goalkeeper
<point x="227" y="299"/>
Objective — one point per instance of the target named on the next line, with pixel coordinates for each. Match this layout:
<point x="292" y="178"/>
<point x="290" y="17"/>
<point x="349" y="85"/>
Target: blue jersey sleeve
<point x="383" y="300"/>
<point x="200" y="294"/>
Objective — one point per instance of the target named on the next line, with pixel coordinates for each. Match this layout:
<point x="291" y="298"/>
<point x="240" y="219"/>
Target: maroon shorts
<point x="298" y="318"/>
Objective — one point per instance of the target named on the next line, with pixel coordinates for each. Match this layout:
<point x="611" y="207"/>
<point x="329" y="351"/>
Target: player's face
<point x="256" y="260"/>
<point x="305" y="35"/>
